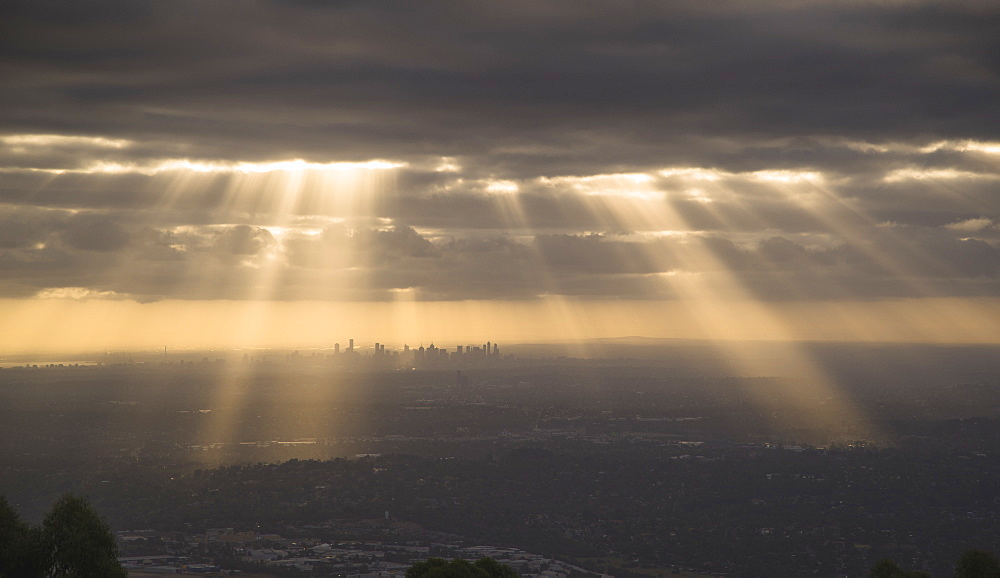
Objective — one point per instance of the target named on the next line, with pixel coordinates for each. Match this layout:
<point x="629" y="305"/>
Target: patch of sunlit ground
<point x="289" y="408"/>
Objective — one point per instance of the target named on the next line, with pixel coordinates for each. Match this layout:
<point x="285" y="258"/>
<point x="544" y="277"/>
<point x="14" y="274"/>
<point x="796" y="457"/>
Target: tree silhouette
<point x="495" y="569"/>
<point x="889" y="569"/>
<point x="977" y="564"/>
<point x="21" y="550"/>
<point x="79" y="541"/>
<point x="73" y="541"/>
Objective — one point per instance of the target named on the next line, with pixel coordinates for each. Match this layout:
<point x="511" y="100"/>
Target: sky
<point x="255" y="173"/>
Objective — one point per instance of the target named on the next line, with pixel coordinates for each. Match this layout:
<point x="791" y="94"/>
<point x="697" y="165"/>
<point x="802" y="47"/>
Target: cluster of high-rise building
<point x="420" y="357"/>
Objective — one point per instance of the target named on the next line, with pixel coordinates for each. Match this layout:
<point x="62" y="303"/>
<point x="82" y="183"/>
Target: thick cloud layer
<point x="774" y="150"/>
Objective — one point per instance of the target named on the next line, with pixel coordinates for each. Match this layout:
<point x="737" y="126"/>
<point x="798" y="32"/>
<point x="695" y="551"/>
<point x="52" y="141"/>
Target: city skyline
<point x="278" y="174"/>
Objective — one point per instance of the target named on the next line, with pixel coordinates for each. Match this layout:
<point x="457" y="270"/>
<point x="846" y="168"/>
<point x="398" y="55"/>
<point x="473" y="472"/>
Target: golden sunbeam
<point x="283" y="189"/>
<point x="702" y="288"/>
<point x="302" y="324"/>
<point x="714" y="284"/>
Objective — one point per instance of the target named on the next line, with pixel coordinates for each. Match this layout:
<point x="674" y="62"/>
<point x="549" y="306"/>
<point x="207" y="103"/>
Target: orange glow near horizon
<point x="59" y="325"/>
<point x="333" y="215"/>
<point x="332" y="292"/>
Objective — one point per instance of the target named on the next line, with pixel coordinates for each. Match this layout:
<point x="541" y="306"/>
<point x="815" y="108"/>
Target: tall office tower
<point x="496" y="350"/>
<point x="336" y="349"/>
<point x="350" y="348"/>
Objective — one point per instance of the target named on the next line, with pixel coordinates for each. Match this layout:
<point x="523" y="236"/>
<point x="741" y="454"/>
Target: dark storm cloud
<point x="574" y="147"/>
<point x="122" y="255"/>
<point x="24" y="226"/>
<point x="243" y="240"/>
<point x="94" y="233"/>
<point x="636" y="81"/>
<point x="592" y="253"/>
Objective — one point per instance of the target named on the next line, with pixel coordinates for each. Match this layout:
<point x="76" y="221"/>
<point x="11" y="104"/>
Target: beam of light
<point x="707" y="292"/>
<point x="551" y="297"/>
<point x="285" y="189"/>
<point x="271" y="194"/>
<point x="227" y="402"/>
<point x="839" y="218"/>
<point x="813" y="397"/>
<point x="618" y="201"/>
<point x="629" y="185"/>
<point x="854" y="227"/>
<point x="846" y="222"/>
<point x="502" y="186"/>
<point x="710" y="299"/>
<point x="61" y="326"/>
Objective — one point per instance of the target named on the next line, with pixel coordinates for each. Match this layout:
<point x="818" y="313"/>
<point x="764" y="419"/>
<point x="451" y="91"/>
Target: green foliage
<point x="440" y="568"/>
<point x="889" y="569"/>
<point x="886" y="569"/>
<point x="22" y="553"/>
<point x="457" y="568"/>
<point x="972" y="564"/>
<point x="73" y="541"/>
<point x="977" y="564"/>
<point x="495" y="569"/>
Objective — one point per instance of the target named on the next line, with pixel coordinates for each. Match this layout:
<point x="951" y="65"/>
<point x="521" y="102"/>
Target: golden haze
<point x="38" y="325"/>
